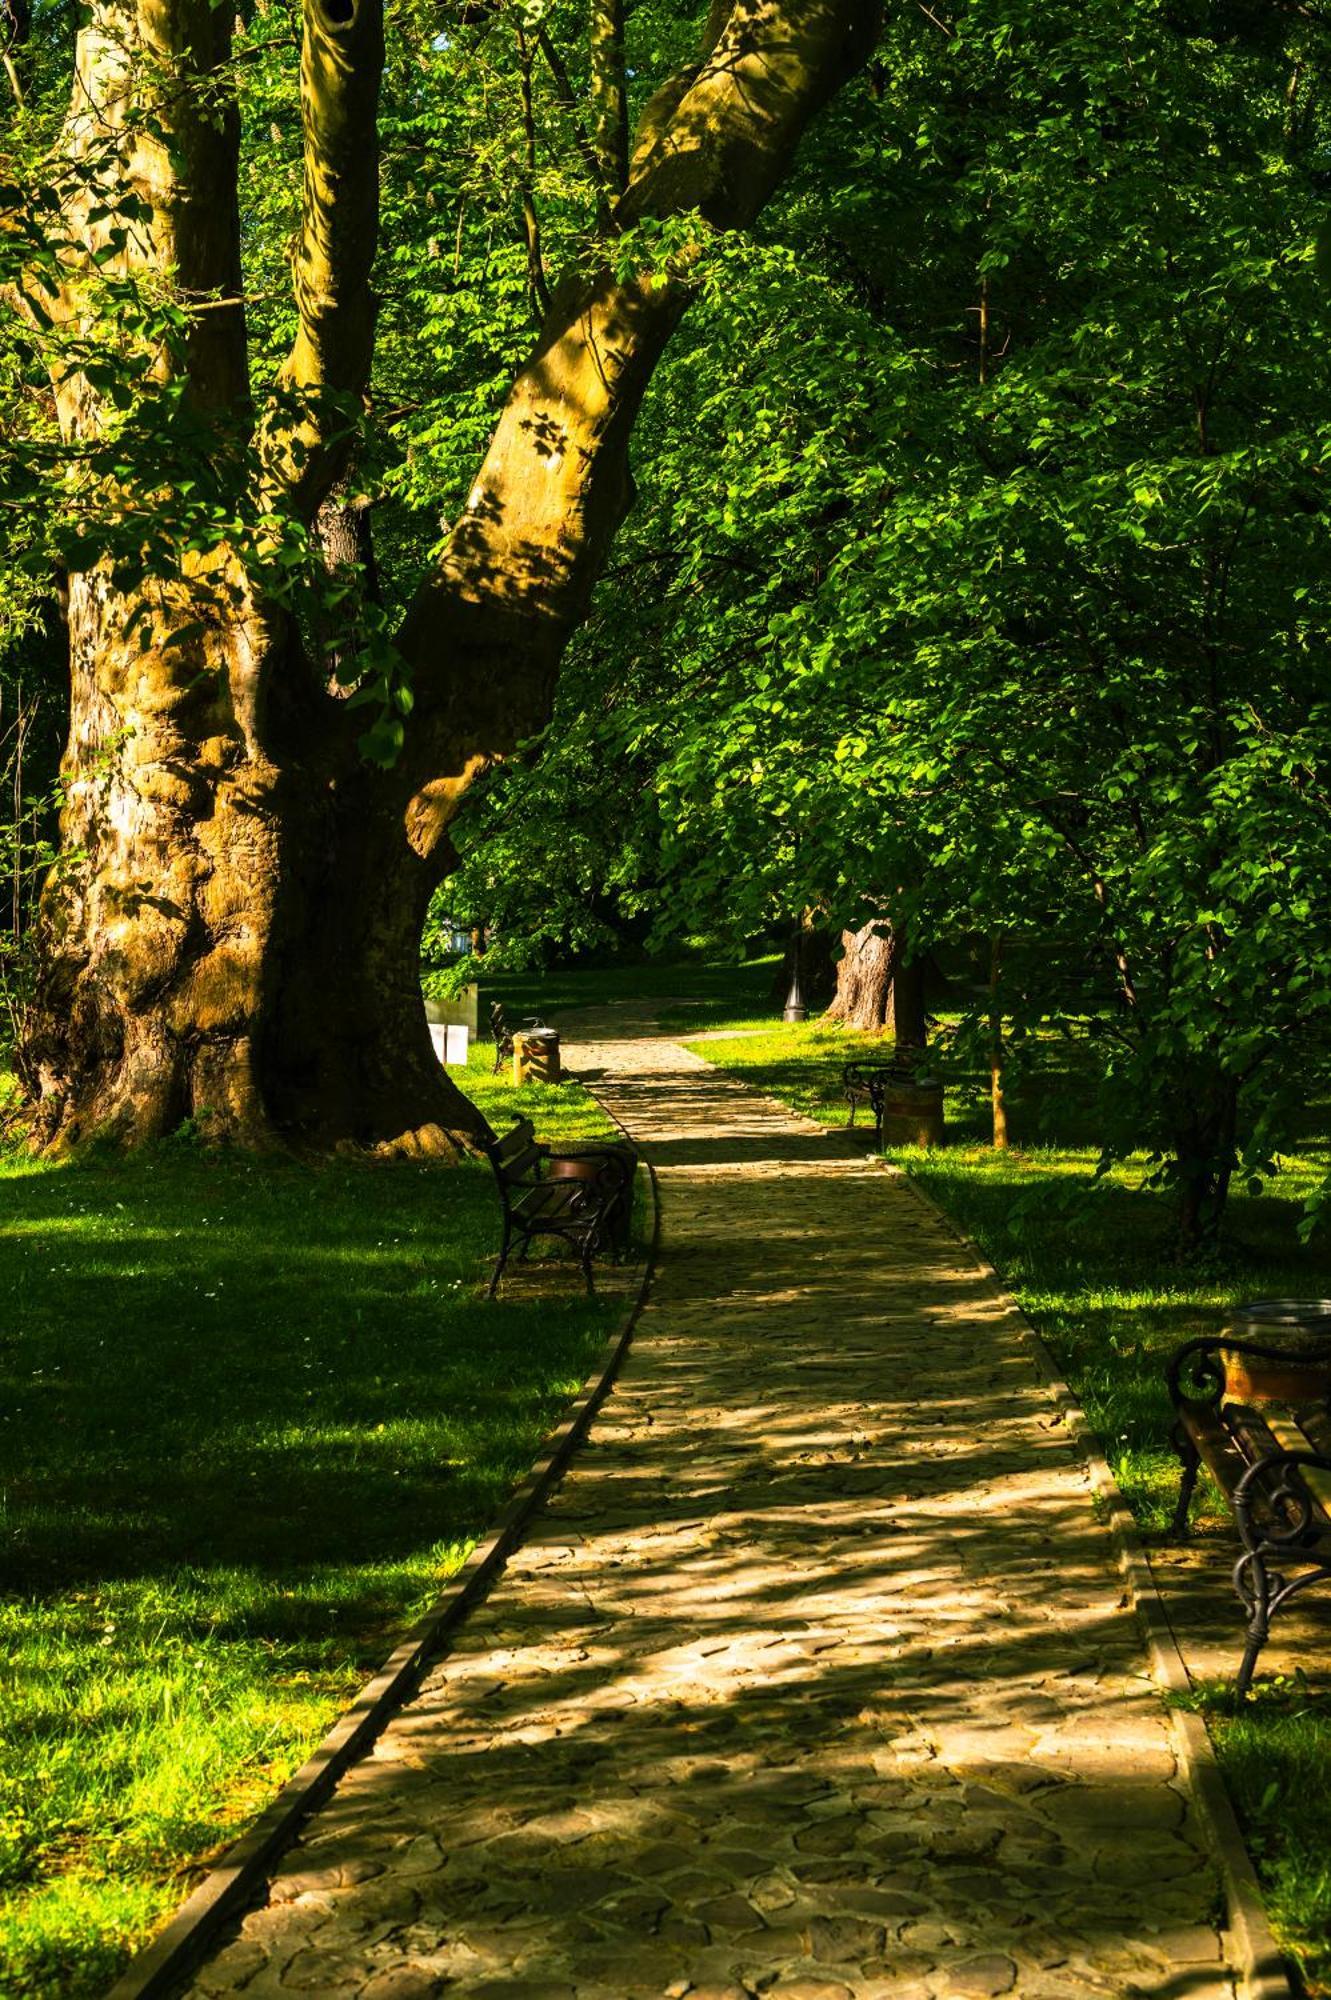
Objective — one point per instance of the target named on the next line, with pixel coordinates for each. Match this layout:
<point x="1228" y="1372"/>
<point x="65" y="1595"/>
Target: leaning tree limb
<point x="486" y="629"/>
<point x="306" y="434"/>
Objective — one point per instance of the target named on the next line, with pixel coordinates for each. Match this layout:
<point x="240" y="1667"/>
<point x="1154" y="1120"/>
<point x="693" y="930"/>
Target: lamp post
<point x="795" y="1009"/>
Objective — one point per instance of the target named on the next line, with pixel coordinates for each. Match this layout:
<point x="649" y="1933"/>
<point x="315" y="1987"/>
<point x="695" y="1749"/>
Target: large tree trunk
<point x="237" y="943"/>
<point x="880" y="987"/>
<point x="232" y="933"/>
<point x="156" y="932"/>
<point x="863" y="997"/>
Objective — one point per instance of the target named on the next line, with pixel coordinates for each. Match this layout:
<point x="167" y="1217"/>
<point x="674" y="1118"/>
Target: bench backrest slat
<point x="1297" y="1430"/>
<point x="515" y="1158"/>
<point x="520" y="1167"/>
<point x="1316" y="1427"/>
<point x="514" y="1141"/>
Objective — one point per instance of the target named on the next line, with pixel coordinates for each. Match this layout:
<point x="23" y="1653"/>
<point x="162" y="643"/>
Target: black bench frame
<point x="580" y="1212"/>
<point x="1281" y="1522"/>
<point x="503" y="1033"/>
<point x="866" y="1083"/>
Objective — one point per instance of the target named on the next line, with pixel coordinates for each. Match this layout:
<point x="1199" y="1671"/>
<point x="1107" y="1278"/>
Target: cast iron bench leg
<point x="503" y="1259"/>
<point x="1255" y="1592"/>
<point x="1177" y="1530"/>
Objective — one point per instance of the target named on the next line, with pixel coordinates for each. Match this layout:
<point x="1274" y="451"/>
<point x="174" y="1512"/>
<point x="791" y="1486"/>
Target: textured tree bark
<point x="345" y="532"/>
<point x="880" y="988"/>
<point x="1204" y="1124"/>
<point x="910" y="1024"/>
<point x="610" y="130"/>
<point x="864" y="980"/>
<point x="232" y="933"/>
<point x="348" y="1058"/>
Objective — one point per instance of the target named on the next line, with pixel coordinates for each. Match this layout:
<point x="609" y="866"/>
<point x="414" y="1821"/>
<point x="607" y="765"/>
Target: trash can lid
<point x="1283" y="1312"/>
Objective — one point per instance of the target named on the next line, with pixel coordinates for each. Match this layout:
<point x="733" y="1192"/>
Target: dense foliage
<point x="983" y="582"/>
<point x="987" y="583"/>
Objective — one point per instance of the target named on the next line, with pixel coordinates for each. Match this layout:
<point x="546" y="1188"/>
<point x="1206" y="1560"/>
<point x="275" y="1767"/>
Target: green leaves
<point x="977" y="562"/>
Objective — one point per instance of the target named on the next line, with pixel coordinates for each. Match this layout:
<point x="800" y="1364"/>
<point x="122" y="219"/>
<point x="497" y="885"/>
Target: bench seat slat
<point x="548" y="1199"/>
<point x="1220" y="1455"/>
<point x="1259" y="1441"/>
<point x="1316" y="1427"/>
<point x="1256" y="1439"/>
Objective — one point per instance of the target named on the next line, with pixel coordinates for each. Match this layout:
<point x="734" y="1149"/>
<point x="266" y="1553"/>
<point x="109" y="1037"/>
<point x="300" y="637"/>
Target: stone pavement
<point x="814" y="1681"/>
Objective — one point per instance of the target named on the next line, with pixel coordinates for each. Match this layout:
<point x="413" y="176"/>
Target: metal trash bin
<point x="618" y="1157"/>
<point x="536" y="1056"/>
<point x="908" y="1109"/>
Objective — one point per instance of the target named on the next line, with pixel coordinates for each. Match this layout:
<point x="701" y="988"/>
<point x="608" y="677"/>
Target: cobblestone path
<point x="814" y="1681"/>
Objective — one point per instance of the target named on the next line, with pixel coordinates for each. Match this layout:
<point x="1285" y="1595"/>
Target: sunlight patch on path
<point x="813" y="1681"/>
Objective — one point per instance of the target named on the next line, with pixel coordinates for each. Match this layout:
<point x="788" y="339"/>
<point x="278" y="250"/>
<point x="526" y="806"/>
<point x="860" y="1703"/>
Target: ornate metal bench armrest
<point x="1296" y="1375"/>
<point x="1290" y="1502"/>
<point x="1200" y="1359"/>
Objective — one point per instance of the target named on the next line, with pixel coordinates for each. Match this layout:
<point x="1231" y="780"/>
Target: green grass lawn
<point x="684" y="996"/>
<point x="1095" y="1271"/>
<point x="252" y="1415"/>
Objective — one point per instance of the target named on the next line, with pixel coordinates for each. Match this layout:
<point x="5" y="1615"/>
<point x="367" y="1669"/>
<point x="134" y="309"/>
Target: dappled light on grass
<point x="1276" y="1755"/>
<point x="253" y="1415"/>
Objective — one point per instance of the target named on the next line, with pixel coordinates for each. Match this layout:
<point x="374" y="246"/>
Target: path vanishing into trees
<point x="814" y="1680"/>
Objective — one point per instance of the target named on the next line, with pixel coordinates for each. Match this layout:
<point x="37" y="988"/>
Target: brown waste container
<point x="909" y="1111"/>
<point x="612" y="1158"/>
<point x="536" y="1056"/>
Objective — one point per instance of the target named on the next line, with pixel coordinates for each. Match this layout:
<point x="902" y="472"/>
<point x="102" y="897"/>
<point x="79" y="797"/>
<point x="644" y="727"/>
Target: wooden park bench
<point x="1259" y="1419"/>
<point x="863" y="1082"/>
<point x="582" y="1197"/>
<point x="907" y="1105"/>
<point x="503" y="1033"/>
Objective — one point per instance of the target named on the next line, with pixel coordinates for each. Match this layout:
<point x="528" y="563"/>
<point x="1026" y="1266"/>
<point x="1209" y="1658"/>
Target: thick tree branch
<point x="306" y="434"/>
<point x="719" y="139"/>
<point x="486" y="630"/>
<point x="609" y="92"/>
<point x="152" y="119"/>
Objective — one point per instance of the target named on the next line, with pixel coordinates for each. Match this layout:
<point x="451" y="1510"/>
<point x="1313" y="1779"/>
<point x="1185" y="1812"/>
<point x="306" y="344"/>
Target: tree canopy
<point x="975" y="573"/>
<point x="989" y="579"/>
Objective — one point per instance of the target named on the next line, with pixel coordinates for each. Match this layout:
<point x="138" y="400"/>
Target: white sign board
<point x="450" y="1044"/>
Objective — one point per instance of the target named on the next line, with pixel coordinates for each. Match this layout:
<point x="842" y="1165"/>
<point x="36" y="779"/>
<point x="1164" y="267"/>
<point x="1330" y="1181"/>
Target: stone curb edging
<point x="157" y="1970"/>
<point x="1260" y="1963"/>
